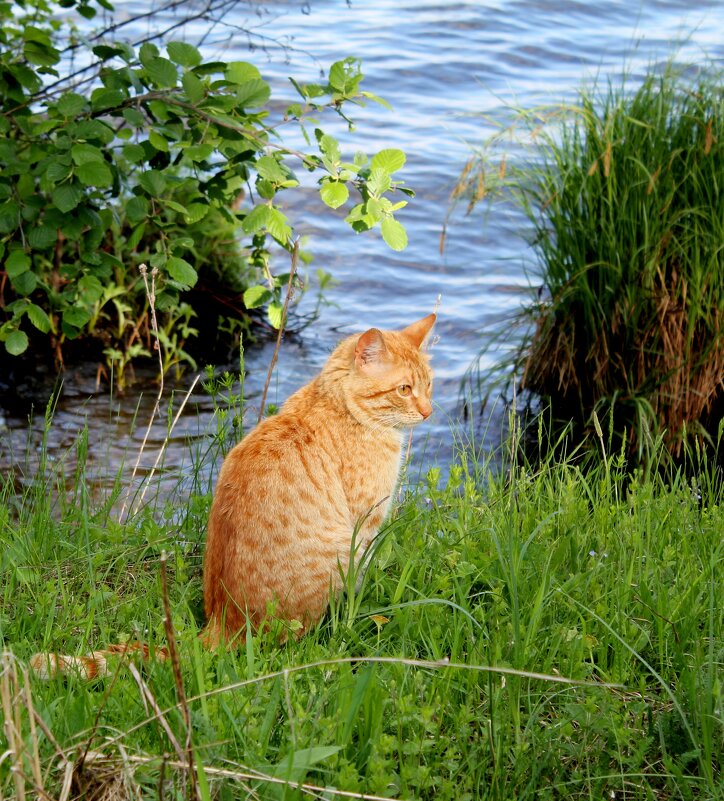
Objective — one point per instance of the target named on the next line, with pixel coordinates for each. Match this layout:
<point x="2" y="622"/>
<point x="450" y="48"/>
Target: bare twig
<point x="162" y="449"/>
<point x="244" y="772"/>
<point x="282" y="324"/>
<point x="158" y="713"/>
<point x="151" y="295"/>
<point x="178" y="678"/>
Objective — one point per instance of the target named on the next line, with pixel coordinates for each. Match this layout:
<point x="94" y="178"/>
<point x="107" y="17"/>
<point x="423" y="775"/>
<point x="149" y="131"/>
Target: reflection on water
<point x="449" y="68"/>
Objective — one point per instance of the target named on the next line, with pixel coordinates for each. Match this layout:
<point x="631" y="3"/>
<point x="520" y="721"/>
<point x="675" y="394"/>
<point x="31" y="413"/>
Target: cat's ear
<point x="417" y="332"/>
<point x="370" y="350"/>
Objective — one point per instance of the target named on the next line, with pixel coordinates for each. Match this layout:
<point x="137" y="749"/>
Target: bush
<point x="138" y="156"/>
<point x="627" y="205"/>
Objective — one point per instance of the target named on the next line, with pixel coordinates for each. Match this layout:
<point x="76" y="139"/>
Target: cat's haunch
<point x="296" y="491"/>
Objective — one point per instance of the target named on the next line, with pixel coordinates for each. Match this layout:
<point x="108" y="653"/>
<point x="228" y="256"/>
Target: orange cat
<point x="303" y="489"/>
<point x="304" y="486"/>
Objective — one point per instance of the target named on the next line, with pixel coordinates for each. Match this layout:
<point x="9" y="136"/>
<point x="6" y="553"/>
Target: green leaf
<point x="17" y="263"/>
<point x="393" y="232"/>
<point x="278" y="226"/>
<point x="153" y="182"/>
<point x="42" y="237"/>
<point x="379" y="182"/>
<point x="334" y="194"/>
<point x="268" y="167"/>
<point x="162" y="72"/>
<point x="147" y="52"/>
<point x="83" y="153"/>
<point x="274" y="313"/>
<point x="158" y="141"/>
<point x="9" y="216"/>
<point x="25" y="283"/>
<point x="330" y="147"/>
<point x="136" y="236"/>
<point x="16" y="342"/>
<point x="40" y="54"/>
<point x="94" y="129"/>
<point x="57" y="171"/>
<point x="377" y="99"/>
<point x="180" y="270"/>
<point x="90" y="289"/>
<point x="252" y="94"/>
<point x="193" y="87"/>
<point x="95" y="173"/>
<point x="344" y="76"/>
<point x="134" y="117"/>
<point x="102" y="99"/>
<point x="391" y="160"/>
<point x="184" y="54"/>
<point x="196" y="212"/>
<point x="293" y="769"/>
<point x="76" y="316"/>
<point x="256" y="296"/>
<point x="136" y="209"/>
<point x="198" y="152"/>
<point x="39" y="318"/>
<point x="241" y="72"/>
<point x="66" y="197"/>
<point x="134" y="153"/>
<point x="71" y="104"/>
<point x="256" y="219"/>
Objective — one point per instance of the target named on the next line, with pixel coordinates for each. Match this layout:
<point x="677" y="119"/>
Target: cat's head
<point x="390" y="381"/>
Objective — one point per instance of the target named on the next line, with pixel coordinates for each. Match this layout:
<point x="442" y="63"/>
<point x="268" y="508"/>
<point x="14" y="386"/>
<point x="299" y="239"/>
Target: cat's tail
<point x="93" y="665"/>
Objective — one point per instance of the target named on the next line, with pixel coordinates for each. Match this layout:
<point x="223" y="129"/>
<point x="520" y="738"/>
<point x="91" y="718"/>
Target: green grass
<point x="500" y="606"/>
<point x="625" y="196"/>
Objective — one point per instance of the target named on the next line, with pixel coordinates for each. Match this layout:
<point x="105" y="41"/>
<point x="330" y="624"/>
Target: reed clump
<point x="626" y="197"/>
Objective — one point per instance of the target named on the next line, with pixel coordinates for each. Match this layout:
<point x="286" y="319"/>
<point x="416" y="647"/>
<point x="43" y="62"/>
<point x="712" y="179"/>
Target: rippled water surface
<point x="448" y="68"/>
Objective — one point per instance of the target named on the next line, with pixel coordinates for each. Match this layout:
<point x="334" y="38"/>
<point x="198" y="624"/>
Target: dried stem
<point x="151" y="295"/>
<point x="178" y="678"/>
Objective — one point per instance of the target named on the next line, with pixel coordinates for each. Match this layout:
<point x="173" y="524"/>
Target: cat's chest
<point x="370" y="475"/>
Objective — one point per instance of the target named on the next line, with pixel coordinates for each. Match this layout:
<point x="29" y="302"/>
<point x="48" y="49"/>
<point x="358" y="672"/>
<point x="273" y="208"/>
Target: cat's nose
<point x="425" y="411"/>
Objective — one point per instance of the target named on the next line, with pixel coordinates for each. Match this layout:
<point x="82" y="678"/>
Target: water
<point x="448" y="68"/>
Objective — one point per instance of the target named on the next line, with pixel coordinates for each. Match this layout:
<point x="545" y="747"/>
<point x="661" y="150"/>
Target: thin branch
<point x="282" y="324"/>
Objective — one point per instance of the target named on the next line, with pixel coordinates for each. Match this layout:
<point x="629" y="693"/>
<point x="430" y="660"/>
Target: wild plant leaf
<point x="94" y="173"/>
<point x="275" y="312"/>
<point x="39" y="318"/>
<point x="158" y="141"/>
<point x="393" y="232"/>
<point x="180" y="270"/>
<point x="42" y="237"/>
<point x="17" y="263"/>
<point x="162" y="72"/>
<point x="71" y="104"/>
<point x="390" y="160"/>
<point x="334" y="194"/>
<point x="256" y="296"/>
<point x="16" y="342"/>
<point x="184" y="54"/>
<point x="66" y="197"/>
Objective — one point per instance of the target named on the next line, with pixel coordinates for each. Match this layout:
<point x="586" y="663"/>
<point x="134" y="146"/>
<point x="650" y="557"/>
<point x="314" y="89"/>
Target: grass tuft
<point x="625" y="194"/>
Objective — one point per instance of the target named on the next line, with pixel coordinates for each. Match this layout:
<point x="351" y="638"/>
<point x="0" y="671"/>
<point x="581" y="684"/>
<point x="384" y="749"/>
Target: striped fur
<point x="92" y="665"/>
<point x="299" y="493"/>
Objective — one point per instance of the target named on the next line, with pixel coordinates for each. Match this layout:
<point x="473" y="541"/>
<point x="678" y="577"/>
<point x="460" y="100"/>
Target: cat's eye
<point x="404" y="390"/>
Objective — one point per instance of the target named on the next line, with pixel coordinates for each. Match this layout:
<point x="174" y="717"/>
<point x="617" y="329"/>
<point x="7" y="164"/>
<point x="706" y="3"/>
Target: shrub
<point x="627" y="205"/>
<point x="137" y="154"/>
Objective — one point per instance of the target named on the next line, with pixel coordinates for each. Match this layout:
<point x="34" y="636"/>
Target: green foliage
<point x="625" y="195"/>
<point x="484" y="595"/>
<point x="145" y="156"/>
